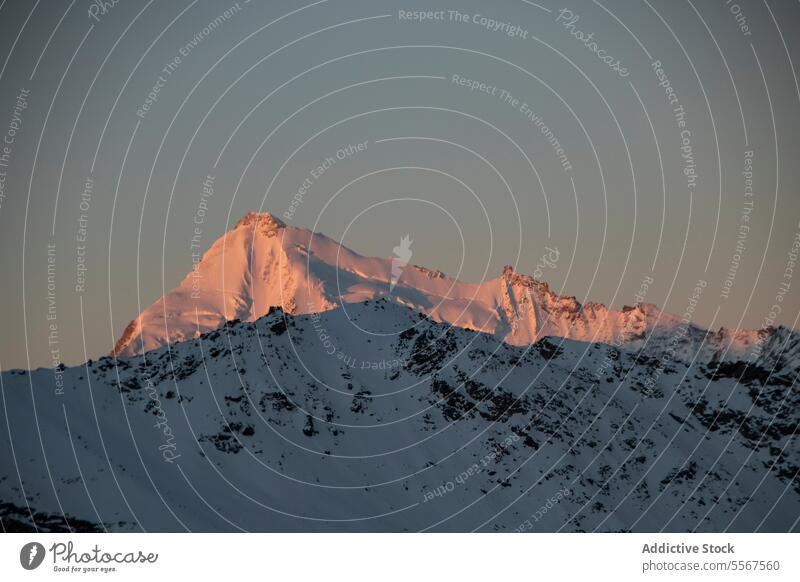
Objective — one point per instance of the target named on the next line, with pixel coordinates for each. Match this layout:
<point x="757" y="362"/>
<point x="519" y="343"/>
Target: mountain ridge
<point x="263" y="263"/>
<point x="429" y="427"/>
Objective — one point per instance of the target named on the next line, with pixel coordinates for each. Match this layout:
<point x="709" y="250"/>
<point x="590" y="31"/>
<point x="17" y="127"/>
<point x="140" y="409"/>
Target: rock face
<point x="304" y="423"/>
<point x="263" y="263"/>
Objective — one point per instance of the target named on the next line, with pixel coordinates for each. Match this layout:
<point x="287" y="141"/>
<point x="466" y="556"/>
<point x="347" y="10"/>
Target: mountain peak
<point x="520" y="280"/>
<point x="265" y="220"/>
<point x="251" y="270"/>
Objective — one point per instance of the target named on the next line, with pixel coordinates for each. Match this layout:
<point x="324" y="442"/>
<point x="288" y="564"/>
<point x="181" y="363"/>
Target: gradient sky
<point x="277" y="87"/>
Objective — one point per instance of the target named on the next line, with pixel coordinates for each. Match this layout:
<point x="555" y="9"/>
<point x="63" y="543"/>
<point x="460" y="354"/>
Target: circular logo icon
<point x="31" y="555"/>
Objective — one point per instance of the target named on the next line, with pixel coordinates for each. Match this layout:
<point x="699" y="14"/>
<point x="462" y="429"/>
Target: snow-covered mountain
<point x="304" y="423"/>
<point x="290" y="384"/>
<point x="263" y="263"/>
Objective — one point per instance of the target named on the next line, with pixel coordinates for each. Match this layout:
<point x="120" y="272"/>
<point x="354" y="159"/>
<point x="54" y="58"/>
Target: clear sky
<point x="655" y="139"/>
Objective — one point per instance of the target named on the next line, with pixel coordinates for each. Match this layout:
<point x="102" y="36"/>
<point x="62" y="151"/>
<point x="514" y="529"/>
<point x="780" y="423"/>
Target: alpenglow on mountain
<point x="263" y="263"/>
<point x="498" y="406"/>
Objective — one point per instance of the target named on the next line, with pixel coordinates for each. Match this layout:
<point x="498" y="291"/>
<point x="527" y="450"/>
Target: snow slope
<point x="304" y="423"/>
